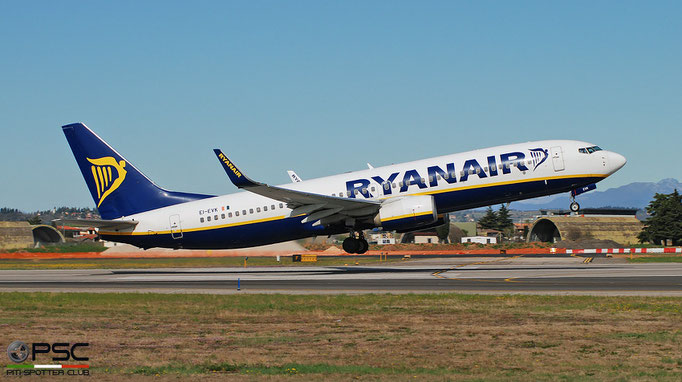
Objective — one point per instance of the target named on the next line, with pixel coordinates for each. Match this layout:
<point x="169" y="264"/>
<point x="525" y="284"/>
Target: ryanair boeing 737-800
<point x="401" y="197"/>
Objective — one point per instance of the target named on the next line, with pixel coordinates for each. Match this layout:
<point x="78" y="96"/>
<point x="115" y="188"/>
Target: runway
<point x="533" y="275"/>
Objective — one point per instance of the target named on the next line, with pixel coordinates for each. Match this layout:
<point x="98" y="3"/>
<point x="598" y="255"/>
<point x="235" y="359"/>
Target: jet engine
<point x="407" y="213"/>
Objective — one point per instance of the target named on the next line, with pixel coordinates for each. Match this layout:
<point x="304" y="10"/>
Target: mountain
<point x="633" y="195"/>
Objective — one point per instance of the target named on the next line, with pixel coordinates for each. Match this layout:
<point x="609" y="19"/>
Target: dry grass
<point x="370" y="337"/>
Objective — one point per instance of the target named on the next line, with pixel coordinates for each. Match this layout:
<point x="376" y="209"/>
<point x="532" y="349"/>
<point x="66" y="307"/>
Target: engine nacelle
<point x="406" y="213"/>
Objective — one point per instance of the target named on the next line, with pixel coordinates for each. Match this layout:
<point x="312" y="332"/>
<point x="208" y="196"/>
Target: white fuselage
<point x="458" y="181"/>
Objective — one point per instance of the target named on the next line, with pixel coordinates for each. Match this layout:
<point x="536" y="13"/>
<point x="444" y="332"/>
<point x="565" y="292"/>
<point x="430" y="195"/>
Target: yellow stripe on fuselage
<point x="195" y="229"/>
<point x="454" y="189"/>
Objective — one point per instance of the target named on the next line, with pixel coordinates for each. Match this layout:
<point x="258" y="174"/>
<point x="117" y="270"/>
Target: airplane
<point x="400" y="197"/>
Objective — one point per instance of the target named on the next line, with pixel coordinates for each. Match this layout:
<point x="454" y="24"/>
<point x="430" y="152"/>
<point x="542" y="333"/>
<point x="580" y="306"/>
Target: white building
<point x="479" y="240"/>
<point x="382" y="238"/>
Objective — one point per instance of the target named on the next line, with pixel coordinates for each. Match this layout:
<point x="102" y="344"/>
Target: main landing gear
<point x="356" y="243"/>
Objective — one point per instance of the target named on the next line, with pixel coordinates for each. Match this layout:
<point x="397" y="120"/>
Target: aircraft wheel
<point x="351" y="245"/>
<point x="575" y="207"/>
<point x="363" y="247"/>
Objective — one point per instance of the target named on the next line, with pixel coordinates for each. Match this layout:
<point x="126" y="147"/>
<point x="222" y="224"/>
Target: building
<point x="479" y="239"/>
<point x="618" y="225"/>
<point x="425" y="238"/>
<point x="382" y="238"/>
<point x="18" y="235"/>
<point x="15" y="235"/>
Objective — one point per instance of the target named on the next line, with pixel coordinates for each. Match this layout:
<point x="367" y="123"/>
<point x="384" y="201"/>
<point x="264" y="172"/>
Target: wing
<point x="321" y="209"/>
<point x="97" y="223"/>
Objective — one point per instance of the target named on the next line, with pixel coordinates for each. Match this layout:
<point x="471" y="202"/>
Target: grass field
<point x="366" y="337"/>
<point x="9" y="264"/>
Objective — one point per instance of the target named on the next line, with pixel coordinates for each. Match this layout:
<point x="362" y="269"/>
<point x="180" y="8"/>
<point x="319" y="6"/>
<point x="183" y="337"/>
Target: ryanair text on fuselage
<point x="450" y="174"/>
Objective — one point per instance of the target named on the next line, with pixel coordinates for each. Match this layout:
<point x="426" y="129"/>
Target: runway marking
<point x="588" y="260"/>
<point x="461" y="266"/>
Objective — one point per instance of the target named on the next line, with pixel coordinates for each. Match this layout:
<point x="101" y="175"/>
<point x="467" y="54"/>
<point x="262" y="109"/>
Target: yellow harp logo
<point x="105" y="182"/>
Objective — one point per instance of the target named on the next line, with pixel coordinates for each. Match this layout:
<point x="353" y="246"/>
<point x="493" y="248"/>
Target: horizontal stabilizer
<point x="97" y="223"/>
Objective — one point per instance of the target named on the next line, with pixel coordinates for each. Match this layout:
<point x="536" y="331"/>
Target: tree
<point x="35" y="220"/>
<point x="489" y="220"/>
<point x="665" y="219"/>
<point x="443" y="230"/>
<point x="504" y="220"/>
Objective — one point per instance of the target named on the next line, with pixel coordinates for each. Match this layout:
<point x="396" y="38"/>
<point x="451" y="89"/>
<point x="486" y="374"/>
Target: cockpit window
<point x="589" y="150"/>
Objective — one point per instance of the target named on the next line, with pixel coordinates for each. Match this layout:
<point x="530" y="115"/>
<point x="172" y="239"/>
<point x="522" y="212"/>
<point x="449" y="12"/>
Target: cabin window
<point x="461" y="173"/>
<point x="257" y="209"/>
<point x="356" y="192"/>
<point x="201" y="220"/>
<point x="208" y="218"/>
<point x="272" y="207"/>
<point x="265" y="208"/>
<point x="222" y="216"/>
<point x="485" y="169"/>
<point x="394" y="185"/>
<point x="422" y="180"/>
<point x="372" y="188"/>
<point x="236" y="213"/>
<point x="400" y="183"/>
<point x="387" y="186"/>
<point x="243" y="212"/>
<point x="281" y="205"/>
<point x="229" y="215"/>
<point x="430" y="178"/>
<point x="446" y="176"/>
<point x="215" y="217"/>
<point x="250" y="210"/>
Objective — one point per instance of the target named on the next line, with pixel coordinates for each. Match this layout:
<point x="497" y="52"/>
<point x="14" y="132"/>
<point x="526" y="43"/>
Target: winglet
<point x="236" y="176"/>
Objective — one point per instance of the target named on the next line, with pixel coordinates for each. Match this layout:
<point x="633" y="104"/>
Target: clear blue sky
<point x="323" y="87"/>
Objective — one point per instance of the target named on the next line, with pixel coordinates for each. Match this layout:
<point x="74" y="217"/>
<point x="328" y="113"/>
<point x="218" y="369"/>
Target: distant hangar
<point x="15" y="235"/>
<point x="618" y="225"/>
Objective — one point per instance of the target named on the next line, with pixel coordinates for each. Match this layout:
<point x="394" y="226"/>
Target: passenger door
<point x="557" y="158"/>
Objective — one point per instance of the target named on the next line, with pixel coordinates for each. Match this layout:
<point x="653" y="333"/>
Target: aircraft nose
<point x="616" y="161"/>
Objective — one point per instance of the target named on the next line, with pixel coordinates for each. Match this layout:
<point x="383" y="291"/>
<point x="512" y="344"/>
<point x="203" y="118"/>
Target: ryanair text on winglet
<point x="230" y="165"/>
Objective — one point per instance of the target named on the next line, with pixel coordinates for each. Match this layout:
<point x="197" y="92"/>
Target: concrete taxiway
<point x="534" y="275"/>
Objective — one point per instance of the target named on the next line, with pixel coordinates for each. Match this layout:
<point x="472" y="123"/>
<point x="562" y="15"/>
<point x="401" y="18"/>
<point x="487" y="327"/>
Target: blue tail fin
<point x="117" y="187"/>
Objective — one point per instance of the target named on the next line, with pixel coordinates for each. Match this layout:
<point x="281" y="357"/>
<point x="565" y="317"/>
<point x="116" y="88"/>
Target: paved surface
<point x="537" y="275"/>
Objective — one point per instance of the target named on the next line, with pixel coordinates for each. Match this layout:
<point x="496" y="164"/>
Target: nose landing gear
<point x="356" y="243"/>
<point x="575" y="207"/>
